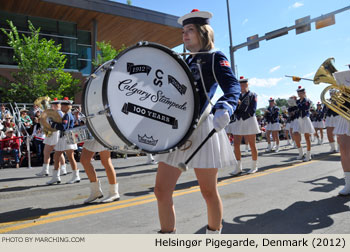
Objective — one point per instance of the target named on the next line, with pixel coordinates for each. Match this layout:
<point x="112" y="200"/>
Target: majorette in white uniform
<point x="217" y="151"/>
<point x="303" y="125"/>
<point x="244" y="123"/>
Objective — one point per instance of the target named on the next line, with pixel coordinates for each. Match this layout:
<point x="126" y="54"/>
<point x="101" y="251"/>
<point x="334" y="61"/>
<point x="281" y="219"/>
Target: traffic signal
<point x="296" y="78"/>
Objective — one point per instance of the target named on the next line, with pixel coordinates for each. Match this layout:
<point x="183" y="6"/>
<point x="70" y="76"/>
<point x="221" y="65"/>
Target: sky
<point x="266" y="67"/>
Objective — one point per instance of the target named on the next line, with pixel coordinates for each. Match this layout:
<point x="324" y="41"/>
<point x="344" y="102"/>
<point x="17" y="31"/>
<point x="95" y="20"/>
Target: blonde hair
<point x="206" y="36"/>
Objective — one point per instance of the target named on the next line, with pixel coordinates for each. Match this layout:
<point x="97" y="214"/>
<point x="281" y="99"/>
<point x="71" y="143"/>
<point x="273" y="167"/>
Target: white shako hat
<point x="300" y="89"/>
<point x="195" y="17"/>
<point x="242" y="79"/>
<point x="66" y="101"/>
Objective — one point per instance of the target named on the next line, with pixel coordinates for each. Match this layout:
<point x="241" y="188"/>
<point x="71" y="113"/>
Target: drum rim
<point x="196" y="112"/>
<point x="84" y="107"/>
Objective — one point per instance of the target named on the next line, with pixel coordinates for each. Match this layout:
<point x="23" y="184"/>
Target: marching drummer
<point x="63" y="146"/>
<point x="245" y="125"/>
<point x="273" y="126"/>
<point x="50" y="141"/>
<point x="303" y="125"/>
<point x="198" y="36"/>
<point x="89" y="149"/>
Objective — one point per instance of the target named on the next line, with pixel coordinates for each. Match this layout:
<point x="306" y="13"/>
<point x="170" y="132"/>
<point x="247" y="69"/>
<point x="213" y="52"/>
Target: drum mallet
<point x="184" y="166"/>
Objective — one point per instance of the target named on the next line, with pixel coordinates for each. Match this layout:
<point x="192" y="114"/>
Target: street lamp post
<point x="232" y="57"/>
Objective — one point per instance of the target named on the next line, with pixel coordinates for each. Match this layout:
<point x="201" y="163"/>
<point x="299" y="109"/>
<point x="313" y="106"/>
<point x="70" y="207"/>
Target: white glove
<point x="221" y="119"/>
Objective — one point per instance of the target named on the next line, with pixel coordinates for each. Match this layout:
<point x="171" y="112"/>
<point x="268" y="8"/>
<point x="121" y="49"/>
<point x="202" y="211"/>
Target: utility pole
<point x="232" y="57"/>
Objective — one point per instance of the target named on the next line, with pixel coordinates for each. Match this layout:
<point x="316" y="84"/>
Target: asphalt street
<point x="285" y="196"/>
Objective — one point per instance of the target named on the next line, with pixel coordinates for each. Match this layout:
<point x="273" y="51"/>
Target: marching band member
<point x="342" y="130"/>
<point x="292" y="115"/>
<point x="50" y="142"/>
<point x="209" y="70"/>
<point x="273" y="126"/>
<point x="63" y="146"/>
<point x="303" y="125"/>
<point x="286" y="123"/>
<point x="332" y="119"/>
<point x="89" y="149"/>
<point x="245" y="125"/>
<point x="318" y="122"/>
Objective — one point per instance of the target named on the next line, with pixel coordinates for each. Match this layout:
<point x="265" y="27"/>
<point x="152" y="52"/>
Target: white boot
<point x="332" y="147"/>
<point x="321" y="140"/>
<point x="55" y="178"/>
<point x="113" y="194"/>
<point x="301" y="153"/>
<point x="346" y="190"/>
<point x="318" y="141"/>
<point x="307" y="156"/>
<point x="277" y="149"/>
<point x="288" y="142"/>
<point x="269" y="147"/>
<point x="209" y="231"/>
<point x="338" y="148"/>
<point x="238" y="168"/>
<point x="63" y="169"/>
<point x="254" y="168"/>
<point x="44" y="171"/>
<point x="294" y="144"/>
<point x="273" y="146"/>
<point x="95" y="192"/>
<point x="75" y="178"/>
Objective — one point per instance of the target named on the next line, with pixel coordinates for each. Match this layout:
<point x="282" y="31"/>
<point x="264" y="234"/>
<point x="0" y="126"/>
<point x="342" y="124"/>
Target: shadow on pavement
<point x="325" y="184"/>
<point x="33" y="213"/>
<point x="301" y="217"/>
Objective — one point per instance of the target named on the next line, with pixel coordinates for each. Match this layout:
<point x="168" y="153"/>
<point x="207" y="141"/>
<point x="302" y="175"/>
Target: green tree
<point x="40" y="62"/>
<point x="128" y="2"/>
<point x="281" y="102"/>
<point x="107" y="52"/>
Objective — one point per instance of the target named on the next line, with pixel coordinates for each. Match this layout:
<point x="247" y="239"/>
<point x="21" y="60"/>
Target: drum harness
<point x="210" y="105"/>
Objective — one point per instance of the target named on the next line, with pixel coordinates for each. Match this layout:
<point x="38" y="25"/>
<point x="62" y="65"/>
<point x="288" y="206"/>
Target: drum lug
<point x="89" y="116"/>
<point x="105" y="112"/>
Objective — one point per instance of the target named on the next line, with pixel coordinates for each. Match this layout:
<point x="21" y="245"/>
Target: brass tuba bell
<point x="340" y="95"/>
<point x="44" y="104"/>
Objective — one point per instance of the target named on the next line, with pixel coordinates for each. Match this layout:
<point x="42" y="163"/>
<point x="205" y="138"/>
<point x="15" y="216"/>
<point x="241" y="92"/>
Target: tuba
<point x="44" y="104"/>
<point x="340" y="94"/>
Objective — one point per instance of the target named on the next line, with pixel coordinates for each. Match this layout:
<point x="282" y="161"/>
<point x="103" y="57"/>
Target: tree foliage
<point x="107" y="52"/>
<point x="40" y="62"/>
<point x="280" y="102"/>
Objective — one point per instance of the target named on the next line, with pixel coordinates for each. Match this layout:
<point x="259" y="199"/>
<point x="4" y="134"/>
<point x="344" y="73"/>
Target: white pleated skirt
<point x="287" y="127"/>
<point x="53" y="139"/>
<point x="303" y="126"/>
<point x="62" y="145"/>
<point x="273" y="126"/>
<point x="342" y="127"/>
<point x="94" y="146"/>
<point x="332" y="121"/>
<point x="244" y="127"/>
<point x="318" y="125"/>
<point x="215" y="153"/>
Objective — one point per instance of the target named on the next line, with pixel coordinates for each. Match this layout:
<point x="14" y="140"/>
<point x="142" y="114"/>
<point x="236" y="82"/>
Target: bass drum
<point x="144" y="99"/>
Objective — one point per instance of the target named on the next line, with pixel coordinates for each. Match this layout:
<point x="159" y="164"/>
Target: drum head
<point x="151" y="96"/>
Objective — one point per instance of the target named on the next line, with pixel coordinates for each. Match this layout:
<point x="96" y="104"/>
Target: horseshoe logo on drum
<point x="132" y="69"/>
<point x="151" y="114"/>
